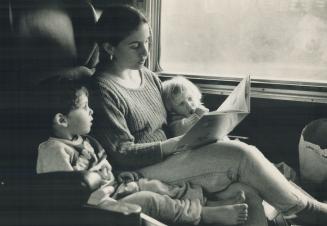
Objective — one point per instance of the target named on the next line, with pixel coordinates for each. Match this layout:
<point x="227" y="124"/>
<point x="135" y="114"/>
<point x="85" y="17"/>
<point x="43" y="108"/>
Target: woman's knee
<point x="233" y="149"/>
<point x="248" y="151"/>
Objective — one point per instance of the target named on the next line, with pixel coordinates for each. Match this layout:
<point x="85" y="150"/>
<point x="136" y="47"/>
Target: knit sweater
<point x="129" y="121"/>
<point x="83" y="153"/>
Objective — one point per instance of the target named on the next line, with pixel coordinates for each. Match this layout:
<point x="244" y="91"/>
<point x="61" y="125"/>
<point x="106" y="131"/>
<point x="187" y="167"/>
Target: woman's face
<point x="132" y="51"/>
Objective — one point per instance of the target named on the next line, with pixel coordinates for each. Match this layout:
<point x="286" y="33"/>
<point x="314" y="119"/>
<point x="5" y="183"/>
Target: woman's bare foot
<point x="227" y="214"/>
<point x="237" y="199"/>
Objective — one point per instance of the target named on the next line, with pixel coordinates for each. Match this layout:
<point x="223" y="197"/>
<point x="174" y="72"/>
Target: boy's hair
<point x="179" y="86"/>
<point x="58" y="96"/>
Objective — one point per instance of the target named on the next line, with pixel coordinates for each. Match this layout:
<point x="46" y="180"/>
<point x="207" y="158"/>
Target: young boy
<point x="70" y="148"/>
<point x="183" y="102"/>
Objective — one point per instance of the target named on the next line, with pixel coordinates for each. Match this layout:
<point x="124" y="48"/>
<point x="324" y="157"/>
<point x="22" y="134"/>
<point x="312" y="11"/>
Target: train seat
<point x="44" y="39"/>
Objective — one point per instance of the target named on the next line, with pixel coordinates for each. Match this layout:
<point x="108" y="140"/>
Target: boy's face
<point x="184" y="104"/>
<point x="79" y="120"/>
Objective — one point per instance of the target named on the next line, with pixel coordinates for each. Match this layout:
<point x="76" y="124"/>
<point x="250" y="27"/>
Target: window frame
<point x="260" y="88"/>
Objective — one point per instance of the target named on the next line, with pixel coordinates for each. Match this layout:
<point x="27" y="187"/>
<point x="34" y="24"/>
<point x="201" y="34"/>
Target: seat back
<point x="51" y="36"/>
<point x="42" y="39"/>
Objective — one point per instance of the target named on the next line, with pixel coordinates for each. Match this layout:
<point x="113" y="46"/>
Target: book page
<point x="239" y="99"/>
<point x="216" y="125"/>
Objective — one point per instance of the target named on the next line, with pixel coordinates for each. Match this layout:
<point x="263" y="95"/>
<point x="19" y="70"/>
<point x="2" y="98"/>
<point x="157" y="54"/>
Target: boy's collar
<point x="77" y="140"/>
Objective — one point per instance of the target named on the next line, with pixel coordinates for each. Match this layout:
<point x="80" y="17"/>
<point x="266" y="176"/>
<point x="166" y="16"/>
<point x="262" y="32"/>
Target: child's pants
<point x="169" y="203"/>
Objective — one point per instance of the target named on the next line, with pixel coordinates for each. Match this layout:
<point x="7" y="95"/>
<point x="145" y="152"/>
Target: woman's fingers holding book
<point x="169" y="146"/>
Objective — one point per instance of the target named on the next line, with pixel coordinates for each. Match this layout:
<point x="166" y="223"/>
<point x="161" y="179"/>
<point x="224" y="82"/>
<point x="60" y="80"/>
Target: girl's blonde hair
<point x="179" y="86"/>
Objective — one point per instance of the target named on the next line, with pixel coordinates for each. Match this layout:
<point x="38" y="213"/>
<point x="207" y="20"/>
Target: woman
<point x="130" y="119"/>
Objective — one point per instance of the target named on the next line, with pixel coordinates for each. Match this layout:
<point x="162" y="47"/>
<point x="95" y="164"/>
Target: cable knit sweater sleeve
<point x="128" y="122"/>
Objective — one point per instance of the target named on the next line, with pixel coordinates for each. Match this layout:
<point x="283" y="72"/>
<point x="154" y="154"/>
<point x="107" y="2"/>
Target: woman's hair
<point x="179" y="86"/>
<point x="117" y="22"/>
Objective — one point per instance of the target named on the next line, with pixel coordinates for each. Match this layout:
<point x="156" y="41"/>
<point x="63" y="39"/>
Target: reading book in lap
<point x="216" y="125"/>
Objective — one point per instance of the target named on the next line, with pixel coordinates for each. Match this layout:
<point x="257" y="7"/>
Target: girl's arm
<point x="180" y="126"/>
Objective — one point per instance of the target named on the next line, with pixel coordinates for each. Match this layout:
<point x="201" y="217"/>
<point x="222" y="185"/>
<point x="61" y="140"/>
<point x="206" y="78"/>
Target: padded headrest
<point x="47" y="33"/>
<point x="53" y="34"/>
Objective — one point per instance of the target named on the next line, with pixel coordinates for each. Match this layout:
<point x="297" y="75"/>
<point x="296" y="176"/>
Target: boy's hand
<point x="103" y="163"/>
<point x="107" y="175"/>
<point x="104" y="169"/>
<point x="126" y="177"/>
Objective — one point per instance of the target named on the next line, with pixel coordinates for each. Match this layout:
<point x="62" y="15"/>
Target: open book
<point x="216" y="125"/>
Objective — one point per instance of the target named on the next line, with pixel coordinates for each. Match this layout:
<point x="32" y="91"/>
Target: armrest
<point x="64" y="190"/>
<point x="117" y="213"/>
<point x="149" y="221"/>
<point x="120" y="213"/>
<point x="86" y="216"/>
<point x="59" y="199"/>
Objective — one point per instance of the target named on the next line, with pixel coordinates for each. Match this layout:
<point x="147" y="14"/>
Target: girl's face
<point x="132" y="52"/>
<point x="184" y="104"/>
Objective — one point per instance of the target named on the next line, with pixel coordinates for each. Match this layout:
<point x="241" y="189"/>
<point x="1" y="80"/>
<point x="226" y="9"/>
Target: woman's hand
<point x="169" y="147"/>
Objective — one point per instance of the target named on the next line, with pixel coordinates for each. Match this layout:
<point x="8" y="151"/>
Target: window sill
<point x="267" y="89"/>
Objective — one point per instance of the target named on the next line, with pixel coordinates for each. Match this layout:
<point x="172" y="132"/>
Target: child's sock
<point x="315" y="213"/>
<point x="226" y="215"/>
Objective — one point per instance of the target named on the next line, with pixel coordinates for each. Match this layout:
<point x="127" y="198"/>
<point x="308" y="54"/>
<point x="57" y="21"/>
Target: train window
<point x="268" y="39"/>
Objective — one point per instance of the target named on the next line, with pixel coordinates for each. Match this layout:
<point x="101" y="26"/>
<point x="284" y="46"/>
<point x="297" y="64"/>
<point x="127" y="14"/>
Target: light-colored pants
<point x="169" y="203"/>
<point x="217" y="165"/>
<point x="166" y="209"/>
